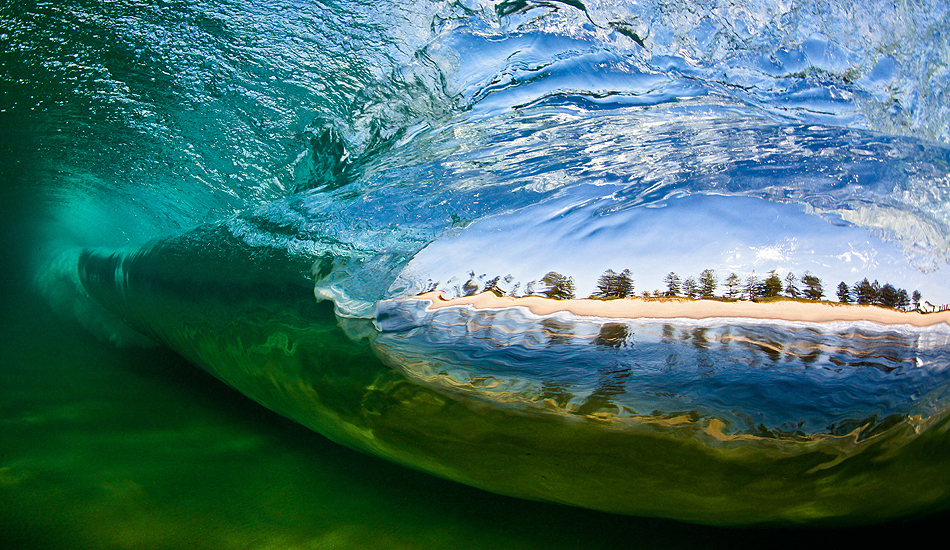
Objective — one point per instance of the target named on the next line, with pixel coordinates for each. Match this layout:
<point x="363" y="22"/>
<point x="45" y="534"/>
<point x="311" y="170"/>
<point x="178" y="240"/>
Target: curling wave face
<point x="442" y="141"/>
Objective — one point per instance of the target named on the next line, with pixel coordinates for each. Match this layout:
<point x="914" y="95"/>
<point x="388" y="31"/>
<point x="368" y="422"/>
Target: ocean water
<point x="212" y="212"/>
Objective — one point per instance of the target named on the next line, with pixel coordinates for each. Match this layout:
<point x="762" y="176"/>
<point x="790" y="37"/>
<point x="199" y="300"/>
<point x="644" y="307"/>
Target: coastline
<point x="671" y="308"/>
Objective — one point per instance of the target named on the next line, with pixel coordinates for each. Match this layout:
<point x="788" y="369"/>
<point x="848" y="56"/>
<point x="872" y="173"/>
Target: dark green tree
<point x="773" y="285"/>
<point x="866" y="292"/>
<point x="707" y="283"/>
<point x="791" y="288"/>
<point x="557" y="286"/>
<point x="606" y="285"/>
<point x="903" y="300"/>
<point x="844" y="293"/>
<point x="890" y="296"/>
<point x="862" y="292"/>
<point x="752" y="287"/>
<point x="612" y="285"/>
<point x="732" y="286"/>
<point x="916" y="297"/>
<point x="625" y="284"/>
<point x="690" y="288"/>
<point x="813" y="287"/>
<point x="672" y="281"/>
<point x="876" y="291"/>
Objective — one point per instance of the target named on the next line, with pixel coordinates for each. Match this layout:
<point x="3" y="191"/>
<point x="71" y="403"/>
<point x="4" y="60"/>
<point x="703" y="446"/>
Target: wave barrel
<point x="422" y="388"/>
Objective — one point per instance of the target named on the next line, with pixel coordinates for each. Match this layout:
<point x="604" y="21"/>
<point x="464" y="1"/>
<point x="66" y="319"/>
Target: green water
<point x="110" y="448"/>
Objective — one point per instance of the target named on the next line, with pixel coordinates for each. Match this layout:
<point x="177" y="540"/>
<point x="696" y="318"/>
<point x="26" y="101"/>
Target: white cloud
<point x="779" y="252"/>
<point x="866" y="258"/>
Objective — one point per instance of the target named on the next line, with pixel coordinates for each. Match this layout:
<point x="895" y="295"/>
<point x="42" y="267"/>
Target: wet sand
<point x="671" y="308"/>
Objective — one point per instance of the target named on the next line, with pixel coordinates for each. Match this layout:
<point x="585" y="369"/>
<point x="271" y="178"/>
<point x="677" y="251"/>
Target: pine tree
<point x="690" y="288"/>
<point x="844" y="293"/>
<point x="612" y="285"/>
<point x="707" y="283"/>
<point x="890" y="296"/>
<point x="916" y="297"/>
<point x="791" y="289"/>
<point x="863" y="292"/>
<point x="876" y="292"/>
<point x="751" y="286"/>
<point x="732" y="286"/>
<point x="605" y="285"/>
<point x="868" y="293"/>
<point x="773" y="285"/>
<point x="558" y="286"/>
<point x="813" y="287"/>
<point x="625" y="284"/>
<point x="672" y="281"/>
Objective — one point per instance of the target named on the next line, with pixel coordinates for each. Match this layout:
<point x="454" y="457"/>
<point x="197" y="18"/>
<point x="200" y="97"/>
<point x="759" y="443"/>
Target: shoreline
<point x="671" y="308"/>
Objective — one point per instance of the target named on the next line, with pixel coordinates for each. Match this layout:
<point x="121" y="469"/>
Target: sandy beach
<point x="671" y="308"/>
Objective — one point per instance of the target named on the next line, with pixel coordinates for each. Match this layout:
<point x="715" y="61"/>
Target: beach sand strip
<point x="672" y="308"/>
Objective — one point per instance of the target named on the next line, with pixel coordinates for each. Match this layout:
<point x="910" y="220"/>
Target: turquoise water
<point x="243" y="182"/>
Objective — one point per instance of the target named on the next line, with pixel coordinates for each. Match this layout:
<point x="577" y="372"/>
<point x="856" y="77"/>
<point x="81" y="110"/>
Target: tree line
<point x="736" y="288"/>
<point x="865" y="292"/>
<point x="612" y="285"/>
